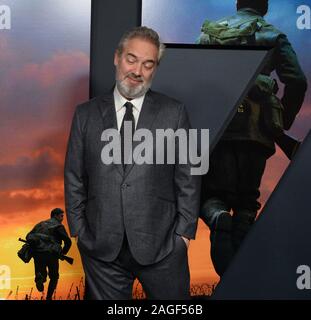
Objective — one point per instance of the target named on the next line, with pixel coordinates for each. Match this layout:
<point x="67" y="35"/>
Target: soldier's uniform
<point x="46" y="239"/>
<point x="238" y="161"/>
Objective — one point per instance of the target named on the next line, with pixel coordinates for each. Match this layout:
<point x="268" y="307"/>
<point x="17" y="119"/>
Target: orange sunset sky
<point x="43" y="76"/>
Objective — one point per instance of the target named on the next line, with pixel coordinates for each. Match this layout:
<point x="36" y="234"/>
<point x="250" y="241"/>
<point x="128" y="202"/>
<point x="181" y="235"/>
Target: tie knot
<point x="129" y="106"/>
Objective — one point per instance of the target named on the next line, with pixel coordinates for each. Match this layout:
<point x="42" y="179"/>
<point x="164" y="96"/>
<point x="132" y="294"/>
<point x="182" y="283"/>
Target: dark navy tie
<point x="129" y="117"/>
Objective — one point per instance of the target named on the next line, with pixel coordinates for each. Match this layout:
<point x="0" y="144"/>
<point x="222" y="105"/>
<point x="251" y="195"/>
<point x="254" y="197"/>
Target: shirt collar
<point x="250" y="11"/>
<point x="119" y="101"/>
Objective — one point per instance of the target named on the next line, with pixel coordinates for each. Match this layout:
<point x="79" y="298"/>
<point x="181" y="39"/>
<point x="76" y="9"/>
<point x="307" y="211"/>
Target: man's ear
<point x="116" y="58"/>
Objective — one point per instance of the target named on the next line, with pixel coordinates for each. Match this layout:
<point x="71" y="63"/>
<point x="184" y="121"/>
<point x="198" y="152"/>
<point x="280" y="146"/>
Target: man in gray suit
<point x="131" y="220"/>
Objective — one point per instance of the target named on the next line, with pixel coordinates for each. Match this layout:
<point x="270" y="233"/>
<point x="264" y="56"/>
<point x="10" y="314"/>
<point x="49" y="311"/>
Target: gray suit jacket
<point x="148" y="202"/>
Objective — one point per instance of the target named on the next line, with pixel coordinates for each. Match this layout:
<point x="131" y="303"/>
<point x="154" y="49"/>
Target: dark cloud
<point x="38" y="99"/>
<point x="14" y="204"/>
<point x="43" y="92"/>
<point x="30" y="172"/>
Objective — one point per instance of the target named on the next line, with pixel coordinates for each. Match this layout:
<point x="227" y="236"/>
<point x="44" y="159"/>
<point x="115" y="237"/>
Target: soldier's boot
<point x="215" y="214"/>
<point x="242" y="222"/>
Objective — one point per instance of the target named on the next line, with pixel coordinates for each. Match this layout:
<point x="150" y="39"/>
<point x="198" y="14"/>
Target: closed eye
<point x="131" y="59"/>
<point x="149" y="64"/>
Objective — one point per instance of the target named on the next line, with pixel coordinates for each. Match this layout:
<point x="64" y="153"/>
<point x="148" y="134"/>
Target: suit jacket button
<point x="124" y="185"/>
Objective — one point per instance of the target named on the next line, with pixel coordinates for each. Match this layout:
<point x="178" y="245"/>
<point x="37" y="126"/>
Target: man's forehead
<point x="141" y="48"/>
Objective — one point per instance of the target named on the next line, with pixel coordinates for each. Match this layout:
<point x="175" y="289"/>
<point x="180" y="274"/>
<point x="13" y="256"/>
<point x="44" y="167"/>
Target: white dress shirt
<point x="119" y="102"/>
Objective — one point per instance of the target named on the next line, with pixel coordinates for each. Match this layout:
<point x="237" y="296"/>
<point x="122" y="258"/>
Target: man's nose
<point x="138" y="69"/>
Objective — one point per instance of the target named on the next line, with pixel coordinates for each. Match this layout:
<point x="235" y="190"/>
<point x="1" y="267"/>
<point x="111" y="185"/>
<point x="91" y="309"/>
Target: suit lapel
<point x="108" y="112"/>
<point x="146" y="118"/>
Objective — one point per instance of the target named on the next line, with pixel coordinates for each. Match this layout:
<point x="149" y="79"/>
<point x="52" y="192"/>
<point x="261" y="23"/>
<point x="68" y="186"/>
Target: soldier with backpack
<point x="46" y="240"/>
<point x="238" y="161"/>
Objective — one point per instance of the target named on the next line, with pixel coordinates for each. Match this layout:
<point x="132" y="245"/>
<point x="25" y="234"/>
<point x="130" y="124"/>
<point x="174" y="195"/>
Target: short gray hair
<point x="143" y="33"/>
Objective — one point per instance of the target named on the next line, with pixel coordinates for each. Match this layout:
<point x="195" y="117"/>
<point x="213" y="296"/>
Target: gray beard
<point x="132" y="92"/>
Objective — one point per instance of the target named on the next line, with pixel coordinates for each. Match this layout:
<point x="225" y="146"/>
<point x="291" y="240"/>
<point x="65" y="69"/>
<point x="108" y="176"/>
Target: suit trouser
<point x="166" y="279"/>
